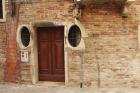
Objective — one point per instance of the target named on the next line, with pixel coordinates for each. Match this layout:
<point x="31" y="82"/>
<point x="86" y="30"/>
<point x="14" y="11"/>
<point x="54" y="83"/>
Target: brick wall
<point x="12" y="61"/>
<point x="50" y="11"/>
<point x="3" y="41"/>
<point x="2" y="51"/>
<point x="111" y="48"/>
<point x="111" y="45"/>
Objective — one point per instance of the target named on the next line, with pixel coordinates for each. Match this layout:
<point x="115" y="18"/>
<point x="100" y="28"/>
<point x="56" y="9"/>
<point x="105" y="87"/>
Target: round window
<point x="74" y="36"/>
<point x="25" y="36"/>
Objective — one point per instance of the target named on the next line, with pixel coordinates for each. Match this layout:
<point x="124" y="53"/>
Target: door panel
<point x="45" y="65"/>
<point x="58" y="66"/>
<point x="51" y="53"/>
<point x="44" y="52"/>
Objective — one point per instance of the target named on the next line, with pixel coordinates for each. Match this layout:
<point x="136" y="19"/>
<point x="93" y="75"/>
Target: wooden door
<point x="51" y="53"/>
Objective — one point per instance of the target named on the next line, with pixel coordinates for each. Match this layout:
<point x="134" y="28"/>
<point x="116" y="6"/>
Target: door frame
<point x="34" y="55"/>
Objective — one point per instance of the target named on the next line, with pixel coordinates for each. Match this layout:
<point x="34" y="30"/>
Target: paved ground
<point x="18" y="88"/>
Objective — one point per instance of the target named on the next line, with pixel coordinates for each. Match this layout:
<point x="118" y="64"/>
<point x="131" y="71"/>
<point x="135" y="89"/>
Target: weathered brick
<point x="112" y="43"/>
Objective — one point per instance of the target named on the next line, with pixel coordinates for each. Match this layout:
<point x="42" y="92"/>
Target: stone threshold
<point x="47" y="83"/>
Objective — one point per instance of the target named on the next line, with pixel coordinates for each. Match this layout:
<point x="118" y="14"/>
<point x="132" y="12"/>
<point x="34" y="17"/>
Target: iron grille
<point x="25" y="36"/>
<point x="74" y="36"/>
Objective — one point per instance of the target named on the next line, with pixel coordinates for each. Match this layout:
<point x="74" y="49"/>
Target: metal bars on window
<point x="25" y="36"/>
<point x="74" y="36"/>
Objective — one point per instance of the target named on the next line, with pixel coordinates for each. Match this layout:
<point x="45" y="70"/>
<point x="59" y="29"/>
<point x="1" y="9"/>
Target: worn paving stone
<point x="24" y="88"/>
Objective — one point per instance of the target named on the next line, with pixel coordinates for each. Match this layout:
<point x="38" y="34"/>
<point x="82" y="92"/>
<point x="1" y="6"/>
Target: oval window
<point x="74" y="36"/>
<point x="25" y="36"/>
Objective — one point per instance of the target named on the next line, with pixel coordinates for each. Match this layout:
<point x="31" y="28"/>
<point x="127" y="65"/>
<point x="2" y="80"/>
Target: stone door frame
<point x="34" y="53"/>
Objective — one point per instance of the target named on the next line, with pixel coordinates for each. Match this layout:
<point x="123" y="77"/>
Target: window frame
<point x="4" y="16"/>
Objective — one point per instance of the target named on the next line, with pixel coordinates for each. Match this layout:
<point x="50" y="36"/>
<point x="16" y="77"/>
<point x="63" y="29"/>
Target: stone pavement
<point x="28" y="88"/>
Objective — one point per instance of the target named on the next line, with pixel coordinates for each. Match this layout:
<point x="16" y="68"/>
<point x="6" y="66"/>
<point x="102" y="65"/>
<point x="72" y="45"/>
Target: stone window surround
<point x="81" y="45"/>
<point x="34" y="56"/>
<point x="19" y="36"/>
<point x="4" y="12"/>
<point x="73" y="37"/>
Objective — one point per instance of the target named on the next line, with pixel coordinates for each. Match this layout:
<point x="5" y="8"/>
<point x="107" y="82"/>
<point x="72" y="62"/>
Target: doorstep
<point x="47" y="83"/>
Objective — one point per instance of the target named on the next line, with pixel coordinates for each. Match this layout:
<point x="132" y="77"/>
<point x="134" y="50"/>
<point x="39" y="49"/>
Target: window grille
<point x="74" y="36"/>
<point x="25" y="36"/>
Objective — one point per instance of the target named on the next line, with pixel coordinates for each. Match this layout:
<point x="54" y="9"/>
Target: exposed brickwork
<point x="12" y="63"/>
<point x="59" y="11"/>
<point x="2" y="54"/>
<point x="115" y="42"/>
<point x="111" y="45"/>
